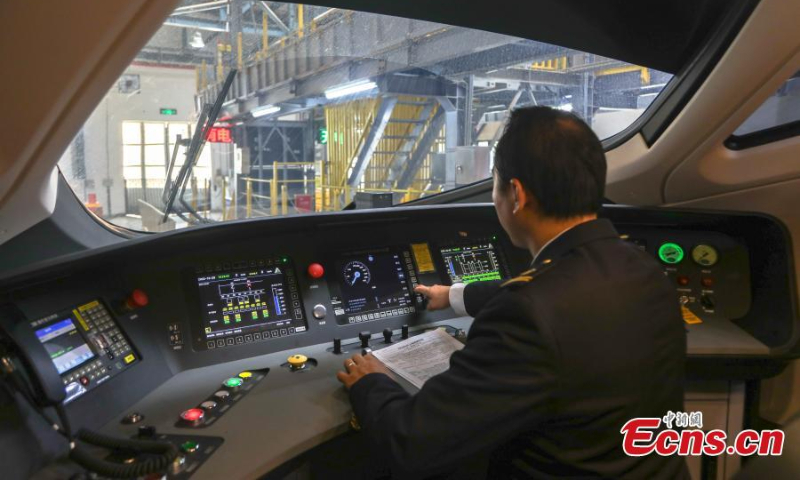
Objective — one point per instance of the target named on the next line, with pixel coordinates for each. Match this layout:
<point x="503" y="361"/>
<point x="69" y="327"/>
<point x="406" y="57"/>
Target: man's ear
<point x="521" y="197"/>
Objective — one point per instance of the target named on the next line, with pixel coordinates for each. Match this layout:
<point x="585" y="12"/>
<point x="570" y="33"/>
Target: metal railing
<point x="278" y="188"/>
<point x="325" y="197"/>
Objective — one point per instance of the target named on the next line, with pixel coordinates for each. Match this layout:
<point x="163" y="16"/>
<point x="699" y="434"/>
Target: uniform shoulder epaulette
<point x="528" y="275"/>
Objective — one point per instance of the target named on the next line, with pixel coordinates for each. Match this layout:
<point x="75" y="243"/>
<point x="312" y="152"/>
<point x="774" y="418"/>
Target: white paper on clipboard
<point x="420" y="357"/>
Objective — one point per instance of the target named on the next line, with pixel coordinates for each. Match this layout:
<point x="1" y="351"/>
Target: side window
<point x="777" y="118"/>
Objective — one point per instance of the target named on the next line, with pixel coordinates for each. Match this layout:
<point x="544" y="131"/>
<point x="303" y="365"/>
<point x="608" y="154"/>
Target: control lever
<point x="387" y="335"/>
<point x="364" y="337"/>
<point x="337" y="346"/>
<point x="422" y="303"/>
<point x="404" y="332"/>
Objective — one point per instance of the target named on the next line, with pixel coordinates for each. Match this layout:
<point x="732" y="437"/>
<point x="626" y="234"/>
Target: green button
<point x="233" y="382"/>
<point x="190" y="446"/>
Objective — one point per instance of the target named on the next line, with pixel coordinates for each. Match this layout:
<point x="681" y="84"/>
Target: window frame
<point x="764" y="136"/>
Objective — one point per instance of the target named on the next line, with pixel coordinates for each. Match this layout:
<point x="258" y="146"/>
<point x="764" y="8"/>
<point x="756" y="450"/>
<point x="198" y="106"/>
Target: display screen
<point x="257" y="301"/>
<point x="66" y="347"/>
<point x="372" y="285"/>
<point x="472" y="263"/>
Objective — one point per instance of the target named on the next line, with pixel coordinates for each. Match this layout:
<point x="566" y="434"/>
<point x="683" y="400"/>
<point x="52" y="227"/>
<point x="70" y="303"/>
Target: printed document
<point x="420" y="357"/>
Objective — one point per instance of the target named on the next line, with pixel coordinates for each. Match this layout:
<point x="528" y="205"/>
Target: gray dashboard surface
<point x="285" y="415"/>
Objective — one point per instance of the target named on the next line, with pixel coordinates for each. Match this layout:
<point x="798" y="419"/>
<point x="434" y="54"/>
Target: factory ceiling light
<point x="350" y="89"/>
<point x="197" y="41"/>
<point x="264" y="110"/>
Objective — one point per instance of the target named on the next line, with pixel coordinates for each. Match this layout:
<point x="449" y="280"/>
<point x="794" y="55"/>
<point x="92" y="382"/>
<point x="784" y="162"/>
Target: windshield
<point x="325" y="108"/>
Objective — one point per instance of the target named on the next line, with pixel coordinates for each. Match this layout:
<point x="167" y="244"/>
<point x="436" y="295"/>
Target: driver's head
<point x="549" y="165"/>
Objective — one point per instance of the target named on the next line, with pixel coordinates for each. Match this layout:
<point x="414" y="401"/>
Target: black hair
<point x="557" y="157"/>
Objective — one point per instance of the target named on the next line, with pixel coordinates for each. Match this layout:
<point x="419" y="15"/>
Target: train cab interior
<point x="195" y="195"/>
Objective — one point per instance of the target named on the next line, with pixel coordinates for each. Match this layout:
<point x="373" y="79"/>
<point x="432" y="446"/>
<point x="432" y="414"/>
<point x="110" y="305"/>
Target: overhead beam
<point x="214" y="26"/>
<point x="511" y="52"/>
<point x="535" y="76"/>
<point x="175" y="57"/>
<point x="199" y="7"/>
<point x="192" y="9"/>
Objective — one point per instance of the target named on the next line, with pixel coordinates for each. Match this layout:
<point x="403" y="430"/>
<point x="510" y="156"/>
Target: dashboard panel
<point x="256" y="317"/>
<point x="244" y="301"/>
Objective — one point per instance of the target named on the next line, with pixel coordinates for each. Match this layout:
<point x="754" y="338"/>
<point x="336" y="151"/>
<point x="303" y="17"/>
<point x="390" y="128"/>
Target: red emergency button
<point x="707" y="282"/>
<point x="137" y="299"/>
<point x="193" y="416"/>
<point x="315" y="270"/>
<point x="683" y="280"/>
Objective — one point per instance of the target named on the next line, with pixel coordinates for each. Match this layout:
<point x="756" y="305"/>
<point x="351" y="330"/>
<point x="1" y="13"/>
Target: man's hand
<point x="438" y="296"/>
<point x="358" y="366"/>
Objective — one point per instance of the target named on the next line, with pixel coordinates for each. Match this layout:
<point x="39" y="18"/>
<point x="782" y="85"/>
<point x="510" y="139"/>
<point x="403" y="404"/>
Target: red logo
<point x="644" y="436"/>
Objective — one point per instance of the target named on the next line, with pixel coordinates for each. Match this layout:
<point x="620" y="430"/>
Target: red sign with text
<point x="219" y="135"/>
<point x="303" y="203"/>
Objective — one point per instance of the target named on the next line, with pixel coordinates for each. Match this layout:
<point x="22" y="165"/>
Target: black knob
<point x="337" y="345"/>
<point x="404" y="333"/>
<point x="364" y="337"/>
<point x="147" y="431"/>
<point x="707" y="301"/>
<point x="387" y="335"/>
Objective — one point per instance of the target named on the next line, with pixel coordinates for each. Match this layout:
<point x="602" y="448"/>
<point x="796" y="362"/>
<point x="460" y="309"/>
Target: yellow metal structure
<point x="264" y="34"/>
<point x="558" y="63"/>
<point x="300" y="21"/>
<point x="239" y="53"/>
<point x="644" y="72"/>
<point x="348" y="124"/>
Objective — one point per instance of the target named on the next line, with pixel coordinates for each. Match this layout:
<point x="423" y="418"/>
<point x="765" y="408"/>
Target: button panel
<point x="709" y="270"/>
<point x="230" y="391"/>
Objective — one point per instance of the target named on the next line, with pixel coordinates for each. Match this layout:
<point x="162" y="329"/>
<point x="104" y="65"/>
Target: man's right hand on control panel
<point x="438" y="296"/>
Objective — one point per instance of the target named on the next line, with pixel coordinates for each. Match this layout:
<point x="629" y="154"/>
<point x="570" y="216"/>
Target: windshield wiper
<point x="177" y="189"/>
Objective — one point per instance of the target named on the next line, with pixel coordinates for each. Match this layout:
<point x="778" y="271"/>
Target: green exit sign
<point x="169" y="111"/>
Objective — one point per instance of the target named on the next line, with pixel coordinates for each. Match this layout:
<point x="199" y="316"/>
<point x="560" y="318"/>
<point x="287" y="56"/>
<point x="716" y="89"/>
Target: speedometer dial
<point x="705" y="255"/>
<point x="356" y="272"/>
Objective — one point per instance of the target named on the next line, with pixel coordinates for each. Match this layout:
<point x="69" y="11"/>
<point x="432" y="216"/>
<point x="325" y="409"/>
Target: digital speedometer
<point x="356" y="272"/>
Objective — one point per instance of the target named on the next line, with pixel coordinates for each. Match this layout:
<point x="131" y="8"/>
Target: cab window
<point x="326" y="108"/>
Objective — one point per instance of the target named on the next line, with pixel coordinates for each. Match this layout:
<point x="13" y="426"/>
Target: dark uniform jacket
<point x="556" y="361"/>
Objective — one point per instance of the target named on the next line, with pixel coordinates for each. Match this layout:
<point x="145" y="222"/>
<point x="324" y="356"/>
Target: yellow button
<point x="130" y="358"/>
<point x="298" y="360"/>
<point x="245" y="375"/>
